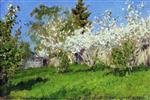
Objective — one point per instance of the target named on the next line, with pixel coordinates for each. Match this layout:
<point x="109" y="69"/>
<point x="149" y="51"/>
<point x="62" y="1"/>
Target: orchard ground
<point x="80" y="83"/>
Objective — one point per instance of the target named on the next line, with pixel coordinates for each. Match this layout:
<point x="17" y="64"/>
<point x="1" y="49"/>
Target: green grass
<point x="80" y="84"/>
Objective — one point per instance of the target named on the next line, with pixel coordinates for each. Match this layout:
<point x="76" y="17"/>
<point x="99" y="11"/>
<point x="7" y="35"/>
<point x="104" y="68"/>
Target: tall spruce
<point x="80" y="15"/>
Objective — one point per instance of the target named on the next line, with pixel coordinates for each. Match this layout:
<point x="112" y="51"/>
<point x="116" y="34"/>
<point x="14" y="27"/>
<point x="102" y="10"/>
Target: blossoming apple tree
<point x="110" y="35"/>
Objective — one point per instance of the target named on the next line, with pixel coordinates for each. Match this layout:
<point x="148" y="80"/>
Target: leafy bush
<point x="11" y="49"/>
<point x="123" y="56"/>
<point x="64" y="62"/>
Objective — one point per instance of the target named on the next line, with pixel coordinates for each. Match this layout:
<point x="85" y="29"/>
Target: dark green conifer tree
<point x="80" y="15"/>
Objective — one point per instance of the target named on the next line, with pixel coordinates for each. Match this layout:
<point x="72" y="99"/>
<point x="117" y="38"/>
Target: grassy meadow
<point x="80" y="83"/>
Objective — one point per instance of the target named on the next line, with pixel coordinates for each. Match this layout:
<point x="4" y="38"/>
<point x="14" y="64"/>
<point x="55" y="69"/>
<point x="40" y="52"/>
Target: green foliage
<point x="121" y="56"/>
<point x="80" y="15"/>
<point x="11" y="51"/>
<point x="64" y="62"/>
<point x="42" y="10"/>
<point x="25" y="50"/>
<point x="82" y="84"/>
<point x="68" y="22"/>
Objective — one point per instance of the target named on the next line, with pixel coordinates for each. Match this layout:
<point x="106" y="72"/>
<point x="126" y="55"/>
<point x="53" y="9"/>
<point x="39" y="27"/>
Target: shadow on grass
<point x="28" y="85"/>
<point x="74" y="93"/>
<point x="85" y="68"/>
<point x="107" y="70"/>
<point x="22" y="86"/>
<point x="123" y="72"/>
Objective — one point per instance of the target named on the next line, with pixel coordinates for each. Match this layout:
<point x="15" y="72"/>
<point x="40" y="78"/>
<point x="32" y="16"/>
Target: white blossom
<point x="107" y="37"/>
